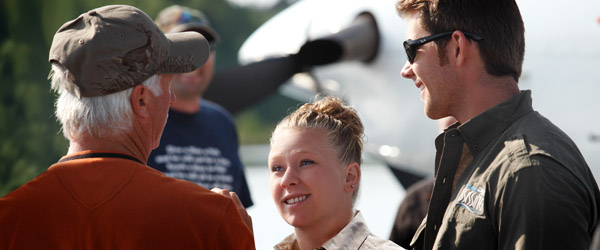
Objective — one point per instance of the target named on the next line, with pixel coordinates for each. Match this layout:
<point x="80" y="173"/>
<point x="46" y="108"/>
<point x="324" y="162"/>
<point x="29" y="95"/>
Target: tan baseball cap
<point x="116" y="47"/>
<point x="177" y="18"/>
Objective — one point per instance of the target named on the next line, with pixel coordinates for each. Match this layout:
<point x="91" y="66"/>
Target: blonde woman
<point x="315" y="173"/>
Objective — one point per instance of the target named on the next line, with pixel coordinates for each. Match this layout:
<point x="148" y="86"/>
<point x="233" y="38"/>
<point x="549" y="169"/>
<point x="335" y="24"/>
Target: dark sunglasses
<point x="411" y="46"/>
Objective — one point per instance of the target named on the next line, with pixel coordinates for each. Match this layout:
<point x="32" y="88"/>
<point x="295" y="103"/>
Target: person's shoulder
<point x="537" y="126"/>
<point x="535" y="143"/>
<point x="215" y="110"/>
<point x="30" y="199"/>
<point x="171" y="187"/>
<point x="374" y="242"/>
<point x="215" y="107"/>
<point x="534" y="134"/>
<point x="188" y="196"/>
<point x="358" y="235"/>
<point x="31" y="189"/>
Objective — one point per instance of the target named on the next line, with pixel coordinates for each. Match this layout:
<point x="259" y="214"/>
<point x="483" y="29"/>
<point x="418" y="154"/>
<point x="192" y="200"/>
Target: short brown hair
<point x="499" y="22"/>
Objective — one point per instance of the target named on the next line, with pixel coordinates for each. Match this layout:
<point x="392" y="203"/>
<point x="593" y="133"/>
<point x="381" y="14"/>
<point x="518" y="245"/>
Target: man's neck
<point x="485" y="94"/>
<point x="114" y="144"/>
<point x="188" y="106"/>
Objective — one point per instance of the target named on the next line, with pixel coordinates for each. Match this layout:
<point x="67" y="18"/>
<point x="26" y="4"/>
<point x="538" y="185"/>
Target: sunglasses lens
<point x="409" y="52"/>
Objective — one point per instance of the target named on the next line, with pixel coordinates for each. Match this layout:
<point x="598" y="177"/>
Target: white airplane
<point x="359" y="47"/>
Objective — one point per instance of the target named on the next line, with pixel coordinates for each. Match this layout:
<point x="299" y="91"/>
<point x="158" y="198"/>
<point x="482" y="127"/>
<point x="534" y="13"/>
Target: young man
<point x="505" y="176"/>
<point x="200" y="142"/>
<point x="111" y="69"/>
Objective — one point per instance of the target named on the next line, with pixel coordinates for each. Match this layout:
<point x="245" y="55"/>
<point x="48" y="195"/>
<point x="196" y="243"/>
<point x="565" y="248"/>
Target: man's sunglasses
<point x="411" y="46"/>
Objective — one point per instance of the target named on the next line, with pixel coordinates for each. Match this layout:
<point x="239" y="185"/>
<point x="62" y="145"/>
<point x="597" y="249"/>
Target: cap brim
<point x="189" y="51"/>
<point x="210" y="34"/>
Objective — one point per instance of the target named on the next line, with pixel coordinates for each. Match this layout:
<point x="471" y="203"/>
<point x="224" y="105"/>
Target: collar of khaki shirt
<point x="351" y="237"/>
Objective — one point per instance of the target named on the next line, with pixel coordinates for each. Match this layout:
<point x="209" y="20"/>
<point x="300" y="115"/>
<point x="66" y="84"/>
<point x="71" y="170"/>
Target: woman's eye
<point x="276" y="168"/>
<point x="306" y="162"/>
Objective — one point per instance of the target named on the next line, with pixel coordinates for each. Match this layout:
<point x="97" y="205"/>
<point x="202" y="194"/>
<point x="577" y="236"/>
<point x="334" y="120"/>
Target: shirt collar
<point x="288" y="243"/>
<point x="482" y="129"/>
<point x="352" y="236"/>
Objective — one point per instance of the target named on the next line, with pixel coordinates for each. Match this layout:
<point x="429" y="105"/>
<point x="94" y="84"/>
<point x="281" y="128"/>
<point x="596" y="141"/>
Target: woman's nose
<point x="290" y="178"/>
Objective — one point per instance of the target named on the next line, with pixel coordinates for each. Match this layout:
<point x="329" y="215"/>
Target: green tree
<point x="30" y="136"/>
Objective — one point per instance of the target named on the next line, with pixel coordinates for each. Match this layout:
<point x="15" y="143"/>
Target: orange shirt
<point x="114" y="203"/>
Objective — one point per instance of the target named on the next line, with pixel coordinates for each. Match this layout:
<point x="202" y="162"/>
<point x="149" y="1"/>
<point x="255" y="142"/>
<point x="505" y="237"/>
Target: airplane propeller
<point x="240" y="87"/>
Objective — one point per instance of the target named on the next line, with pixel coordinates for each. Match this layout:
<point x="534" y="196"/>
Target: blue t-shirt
<point x="202" y="148"/>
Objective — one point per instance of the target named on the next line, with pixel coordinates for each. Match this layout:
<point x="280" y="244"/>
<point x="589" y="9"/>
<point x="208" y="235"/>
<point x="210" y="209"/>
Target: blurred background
<point x="559" y="66"/>
<point x="30" y="137"/>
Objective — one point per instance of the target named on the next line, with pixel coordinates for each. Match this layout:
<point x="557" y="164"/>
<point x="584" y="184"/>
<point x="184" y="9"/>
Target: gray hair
<point x="100" y="116"/>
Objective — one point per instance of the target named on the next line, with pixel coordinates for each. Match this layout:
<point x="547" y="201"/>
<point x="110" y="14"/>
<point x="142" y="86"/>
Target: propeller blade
<point x="243" y="86"/>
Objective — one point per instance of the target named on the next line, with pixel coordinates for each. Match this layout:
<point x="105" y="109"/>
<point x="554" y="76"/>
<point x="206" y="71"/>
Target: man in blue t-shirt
<point x="199" y="142"/>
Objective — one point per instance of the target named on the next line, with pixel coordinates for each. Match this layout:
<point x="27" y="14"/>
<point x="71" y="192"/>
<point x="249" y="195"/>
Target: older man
<point x="110" y="68"/>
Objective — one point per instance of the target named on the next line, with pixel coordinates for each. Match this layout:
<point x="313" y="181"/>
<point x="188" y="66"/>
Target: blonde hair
<point x="343" y="127"/>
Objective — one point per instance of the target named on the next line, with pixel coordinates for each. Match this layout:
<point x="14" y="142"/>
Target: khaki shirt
<point x="526" y="187"/>
<point x="355" y="235"/>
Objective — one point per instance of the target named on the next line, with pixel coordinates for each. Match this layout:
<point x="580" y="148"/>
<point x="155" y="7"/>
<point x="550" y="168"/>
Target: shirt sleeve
<point x="543" y="206"/>
<point x="233" y="232"/>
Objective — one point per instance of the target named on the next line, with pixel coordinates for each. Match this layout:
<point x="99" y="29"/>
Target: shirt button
<point x="444" y="180"/>
<point x="434" y="227"/>
<point x="476" y="147"/>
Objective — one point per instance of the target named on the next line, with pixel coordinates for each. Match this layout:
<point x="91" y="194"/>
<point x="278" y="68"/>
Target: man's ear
<point x="139" y="100"/>
<point x="461" y="48"/>
<point x="352" y="177"/>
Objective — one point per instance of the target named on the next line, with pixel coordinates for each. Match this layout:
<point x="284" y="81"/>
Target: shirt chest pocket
<point x="465" y="217"/>
<point x="468" y="208"/>
<point x="467" y="225"/>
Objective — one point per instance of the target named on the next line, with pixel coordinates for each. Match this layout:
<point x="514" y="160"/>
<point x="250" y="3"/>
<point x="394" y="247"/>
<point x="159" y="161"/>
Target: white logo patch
<point x="471" y="198"/>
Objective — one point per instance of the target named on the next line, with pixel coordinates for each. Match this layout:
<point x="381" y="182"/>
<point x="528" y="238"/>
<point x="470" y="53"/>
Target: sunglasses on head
<point x="411" y="46"/>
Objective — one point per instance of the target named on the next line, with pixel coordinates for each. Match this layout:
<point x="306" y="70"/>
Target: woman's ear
<point x="352" y="177"/>
<point x="139" y="100"/>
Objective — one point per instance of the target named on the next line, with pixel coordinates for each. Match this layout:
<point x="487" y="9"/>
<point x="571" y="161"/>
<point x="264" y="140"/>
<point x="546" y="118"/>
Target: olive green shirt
<point x="527" y="185"/>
